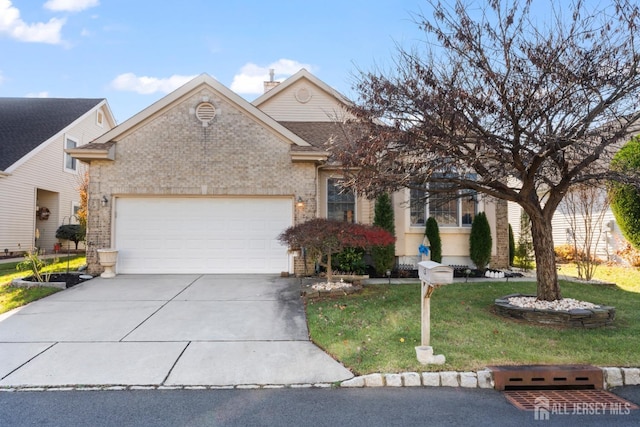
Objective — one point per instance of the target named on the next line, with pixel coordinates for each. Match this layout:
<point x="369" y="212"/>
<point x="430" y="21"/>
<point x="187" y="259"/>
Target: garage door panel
<point x="198" y="235"/>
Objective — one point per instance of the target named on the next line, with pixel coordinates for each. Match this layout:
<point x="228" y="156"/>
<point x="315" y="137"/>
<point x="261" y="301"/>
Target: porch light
<point x="300" y="203"/>
<point x="104" y="201"/>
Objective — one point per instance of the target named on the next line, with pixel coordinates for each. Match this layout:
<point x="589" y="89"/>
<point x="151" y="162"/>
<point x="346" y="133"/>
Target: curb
<point x="612" y="377"/>
<point x="483" y="379"/>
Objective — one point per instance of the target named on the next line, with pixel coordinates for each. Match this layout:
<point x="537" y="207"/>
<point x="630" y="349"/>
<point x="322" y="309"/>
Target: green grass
<point x="12" y="297"/>
<point x="626" y="278"/>
<point x="377" y="329"/>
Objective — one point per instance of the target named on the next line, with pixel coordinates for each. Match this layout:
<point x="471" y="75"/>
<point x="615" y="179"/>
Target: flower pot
<point x="107" y="259"/>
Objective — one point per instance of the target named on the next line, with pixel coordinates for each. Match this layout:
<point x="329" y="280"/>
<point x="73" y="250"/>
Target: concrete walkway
<point x="165" y="330"/>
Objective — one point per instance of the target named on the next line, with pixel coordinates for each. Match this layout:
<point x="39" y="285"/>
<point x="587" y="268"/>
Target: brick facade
<point x="172" y="154"/>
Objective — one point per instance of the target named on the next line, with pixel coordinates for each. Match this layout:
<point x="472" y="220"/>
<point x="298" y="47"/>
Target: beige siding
<point x="42" y="169"/>
<point x="455" y="240"/>
<point x="319" y="106"/>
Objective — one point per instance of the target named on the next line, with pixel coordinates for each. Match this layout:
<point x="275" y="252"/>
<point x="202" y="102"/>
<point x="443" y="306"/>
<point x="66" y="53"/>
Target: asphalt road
<point x="287" y="407"/>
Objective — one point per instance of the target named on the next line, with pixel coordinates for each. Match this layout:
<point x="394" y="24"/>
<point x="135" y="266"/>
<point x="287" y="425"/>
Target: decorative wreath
<point x="43" y="213"/>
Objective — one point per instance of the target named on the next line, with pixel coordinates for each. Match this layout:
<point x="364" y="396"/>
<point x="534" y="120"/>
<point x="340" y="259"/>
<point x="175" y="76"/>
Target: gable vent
<point x="205" y="112"/>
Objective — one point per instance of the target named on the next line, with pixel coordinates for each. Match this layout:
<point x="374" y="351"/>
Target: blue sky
<point x="133" y="52"/>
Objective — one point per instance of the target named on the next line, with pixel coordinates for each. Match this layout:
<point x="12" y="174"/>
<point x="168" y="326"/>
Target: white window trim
<point x="73" y="218"/>
<point x="64" y="144"/>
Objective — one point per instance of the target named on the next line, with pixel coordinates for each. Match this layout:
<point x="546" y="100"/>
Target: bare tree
<point x="503" y="103"/>
<point x="584" y="208"/>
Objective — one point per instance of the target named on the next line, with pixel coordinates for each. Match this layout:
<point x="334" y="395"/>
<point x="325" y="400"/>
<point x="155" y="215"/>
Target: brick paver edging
<point x="613" y="377"/>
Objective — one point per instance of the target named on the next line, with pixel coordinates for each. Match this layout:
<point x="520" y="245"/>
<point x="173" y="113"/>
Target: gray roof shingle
<point x="26" y="123"/>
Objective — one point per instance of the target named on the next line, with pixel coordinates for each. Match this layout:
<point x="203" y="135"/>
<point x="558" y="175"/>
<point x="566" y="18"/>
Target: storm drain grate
<point x="569" y="401"/>
<point x="547" y="377"/>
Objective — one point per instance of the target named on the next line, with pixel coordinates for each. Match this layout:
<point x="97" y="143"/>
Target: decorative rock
<point x="353" y="382"/>
<point x="411" y="379"/>
<point x="449" y="379"/>
<point x="374" y="380"/>
<point x="431" y="379"/>
<point x="631" y="376"/>
<point x="393" y="380"/>
<point x="485" y="379"/>
<point x="565" y="312"/>
<point x="612" y="377"/>
<point x="468" y="380"/>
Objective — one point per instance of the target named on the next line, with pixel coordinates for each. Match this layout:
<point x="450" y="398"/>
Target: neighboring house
<point x="571" y="226"/>
<point x="203" y="181"/>
<point x="38" y="180"/>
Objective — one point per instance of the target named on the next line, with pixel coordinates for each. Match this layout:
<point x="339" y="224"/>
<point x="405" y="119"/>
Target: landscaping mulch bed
<point x="71" y="279"/>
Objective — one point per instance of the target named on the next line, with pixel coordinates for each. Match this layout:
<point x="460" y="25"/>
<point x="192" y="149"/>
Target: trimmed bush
<point x="384" y="257"/>
<point x="73" y="232"/>
<point x="480" y="241"/>
<point x="432" y="231"/>
<point x="512" y="246"/>
<point x="625" y="198"/>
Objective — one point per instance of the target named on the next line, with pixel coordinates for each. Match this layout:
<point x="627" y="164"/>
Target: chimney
<point x="271" y="83"/>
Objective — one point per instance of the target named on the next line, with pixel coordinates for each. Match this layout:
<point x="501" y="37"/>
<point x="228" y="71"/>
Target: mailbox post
<point x="431" y="274"/>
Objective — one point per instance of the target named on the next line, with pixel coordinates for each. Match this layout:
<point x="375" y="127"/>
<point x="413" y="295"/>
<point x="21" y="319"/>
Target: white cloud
<point x="40" y="32"/>
<point x="70" y="5"/>
<point x="129" y="82"/>
<point x="43" y="94"/>
<point x="252" y="77"/>
<point x="1" y="77"/>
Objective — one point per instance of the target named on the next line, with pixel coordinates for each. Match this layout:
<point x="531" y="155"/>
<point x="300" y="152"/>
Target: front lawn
<point x="12" y="297"/>
<point x="377" y="329"/>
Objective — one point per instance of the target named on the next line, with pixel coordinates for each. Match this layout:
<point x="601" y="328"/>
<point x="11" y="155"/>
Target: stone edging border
<point x="613" y="377"/>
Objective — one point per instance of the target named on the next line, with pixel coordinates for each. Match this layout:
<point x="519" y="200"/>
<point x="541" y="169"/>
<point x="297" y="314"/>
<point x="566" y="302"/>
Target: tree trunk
<point x="547" y="276"/>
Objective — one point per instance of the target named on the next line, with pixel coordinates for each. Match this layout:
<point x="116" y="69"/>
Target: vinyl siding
<point x="43" y="169"/>
<point x="321" y="106"/>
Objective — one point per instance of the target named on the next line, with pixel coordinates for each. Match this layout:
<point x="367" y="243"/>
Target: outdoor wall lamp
<point x="104" y="201"/>
<point x="300" y="203"/>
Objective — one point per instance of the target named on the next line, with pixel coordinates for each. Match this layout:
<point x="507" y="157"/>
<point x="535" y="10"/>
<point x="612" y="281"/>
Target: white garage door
<point x="201" y="235"/>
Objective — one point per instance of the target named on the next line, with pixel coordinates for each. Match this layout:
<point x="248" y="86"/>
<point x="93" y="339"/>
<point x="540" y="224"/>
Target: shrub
<point x="350" y="260"/>
<point x="480" y="241"/>
<point x="435" y="243"/>
<point x="625" y="198"/>
<point x="630" y="255"/>
<point x="512" y="246"/>
<point x="73" y="232"/>
<point x="384" y="257"/>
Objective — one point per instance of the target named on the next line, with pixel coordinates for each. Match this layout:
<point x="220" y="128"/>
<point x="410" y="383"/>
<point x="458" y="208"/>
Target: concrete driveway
<point x="165" y="330"/>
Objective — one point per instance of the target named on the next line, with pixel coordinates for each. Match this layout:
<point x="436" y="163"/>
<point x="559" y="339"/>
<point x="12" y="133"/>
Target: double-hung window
<point x="69" y="162"/>
<point x="341" y="202"/>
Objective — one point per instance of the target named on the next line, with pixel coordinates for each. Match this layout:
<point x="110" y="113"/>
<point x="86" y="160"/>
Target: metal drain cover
<point x="569" y="401"/>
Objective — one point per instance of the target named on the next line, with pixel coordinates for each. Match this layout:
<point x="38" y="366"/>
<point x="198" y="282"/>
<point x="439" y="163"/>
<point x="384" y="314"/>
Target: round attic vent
<point x="205" y="112"/>
<point x="303" y="95"/>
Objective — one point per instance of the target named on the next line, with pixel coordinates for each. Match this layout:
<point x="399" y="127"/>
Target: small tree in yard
<point x="480" y="241"/>
<point x="73" y="232"/>
<point x="432" y="231"/>
<point x="585" y="207"/>
<point x="324" y="237"/>
<point x="384" y="256"/>
<point x="503" y="102"/>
